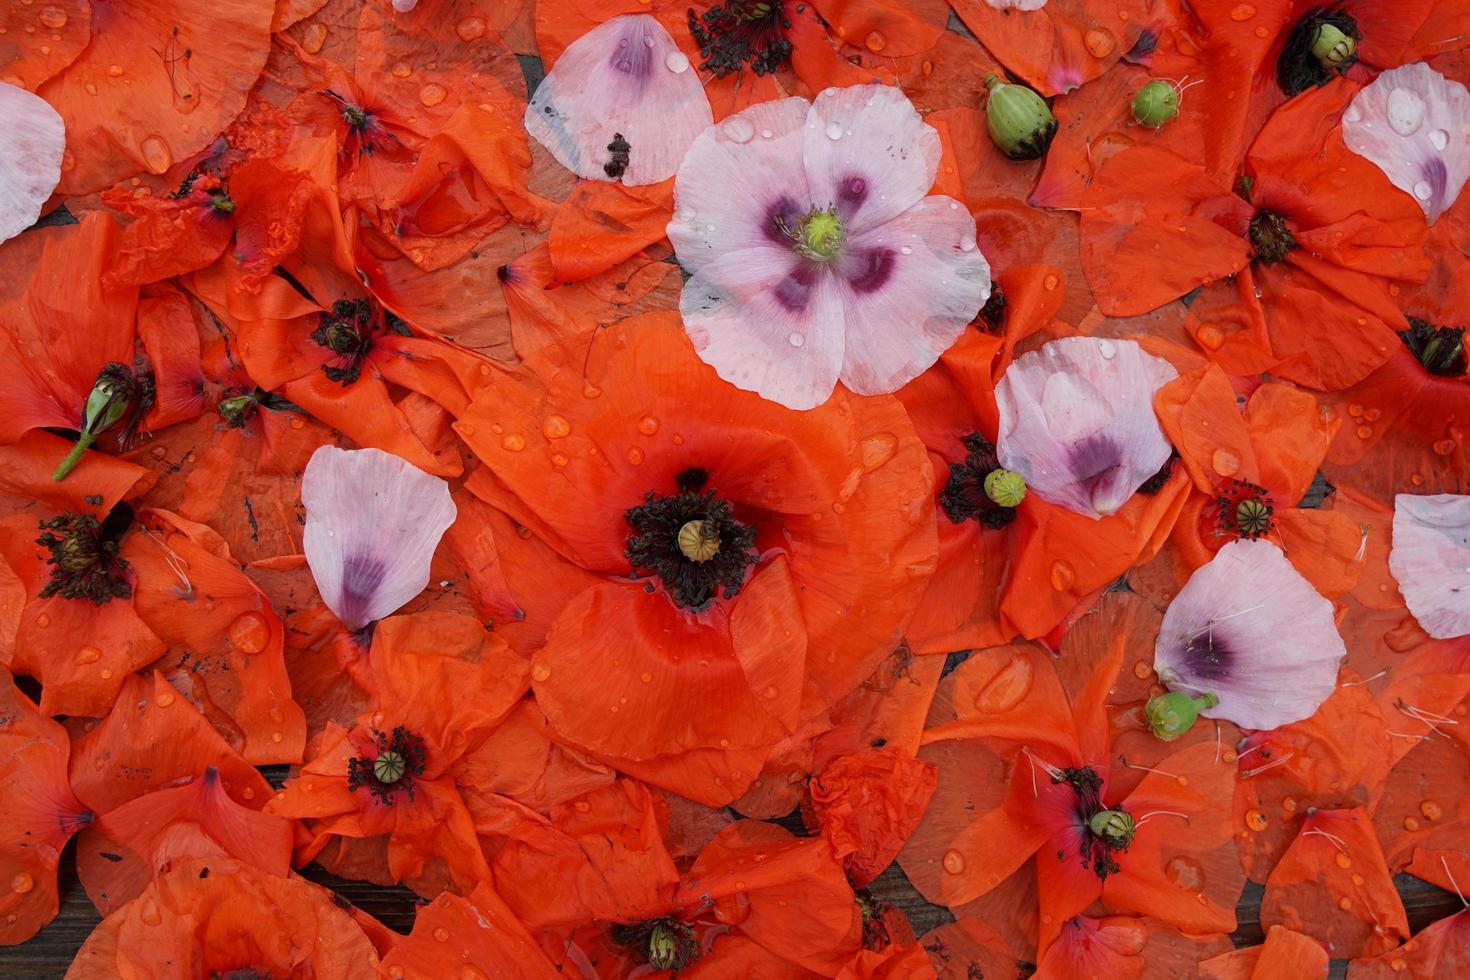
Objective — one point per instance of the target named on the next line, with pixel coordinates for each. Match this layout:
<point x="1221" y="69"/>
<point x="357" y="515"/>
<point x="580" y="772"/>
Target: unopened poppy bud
<point x="1019" y="120"/>
<point x="107" y="403"/>
<point x="389" y="767"/>
<point x="1005" y="487"/>
<point x="1171" y="715"/>
<point x="1155" y="104"/>
<point x="1115" y="827"/>
<point x="1332" y="47"/>
<point x="699" y="541"/>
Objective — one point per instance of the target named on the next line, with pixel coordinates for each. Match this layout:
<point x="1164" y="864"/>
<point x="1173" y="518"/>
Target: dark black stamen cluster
<point x="84" y="559"/>
<point x="364" y="133"/>
<point x="347" y="332"/>
<point x="664" y="943"/>
<point x="1097" y="849"/>
<point x="1297" y="67"/>
<point x="1245" y="509"/>
<point x="617" y="162"/>
<point x="737" y="33"/>
<point x="243" y="973"/>
<point x="654" y="545"/>
<point x="407" y="754"/>
<point x="1270" y="238"/>
<point x="875" y="930"/>
<point x="1440" y="349"/>
<point x="1160" y="479"/>
<point x="993" y="313"/>
<point x="964" y="497"/>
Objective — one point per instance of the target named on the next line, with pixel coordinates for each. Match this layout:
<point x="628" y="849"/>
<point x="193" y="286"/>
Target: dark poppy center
<point x="1323" y="45"/>
<point x="664" y="943"/>
<point x="875" y="931"/>
<point x="347" y="331"/>
<point x="390" y="766"/>
<point x="84" y="558"/>
<point x="1440" y="349"/>
<point x="740" y="33"/>
<point x="993" y="314"/>
<point x="365" y="134"/>
<point x="1105" y="830"/>
<point x="691" y="541"/>
<point x="964" y="496"/>
<point x="1245" y="509"/>
<point x="241" y="973"/>
<point x="1270" y="237"/>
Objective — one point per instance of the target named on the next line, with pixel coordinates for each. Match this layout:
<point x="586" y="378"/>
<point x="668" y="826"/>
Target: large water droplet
<point x="796" y="340"/>
<point x="157" y="157"/>
<point x="834" y="130"/>
<point x="1062" y="575"/>
<point x="1439" y="138"/>
<point x="250" y="632"/>
<point x="954" y="861"/>
<point x="967" y="244"/>
<point x="738" y="129"/>
<point x="53" y="17"/>
<point x="676" y="62"/>
<point x="1225" y="462"/>
<point x="432" y="94"/>
<point x="878" y="449"/>
<point x="555" y="427"/>
<point x="1186" y="873"/>
<point x="1422" y="191"/>
<point x="906" y="250"/>
<point x="1405" y="111"/>
<point x="470" y="28"/>
<point x="1007" y="688"/>
<point x="1107" y="349"/>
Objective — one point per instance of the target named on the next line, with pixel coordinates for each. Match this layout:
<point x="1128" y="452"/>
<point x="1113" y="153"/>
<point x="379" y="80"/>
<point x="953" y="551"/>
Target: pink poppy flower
<point x="1430" y="559"/>
<point x="1414" y="125"/>
<point x="1250" y="630"/>
<point x="30" y="158"/>
<point x="1077" y="421"/>
<point x="815" y="254"/>
<point x="372" y="524"/>
<point x="621" y="103"/>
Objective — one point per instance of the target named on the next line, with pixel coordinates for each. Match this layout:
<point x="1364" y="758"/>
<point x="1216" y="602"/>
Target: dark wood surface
<point x="47" y="956"/>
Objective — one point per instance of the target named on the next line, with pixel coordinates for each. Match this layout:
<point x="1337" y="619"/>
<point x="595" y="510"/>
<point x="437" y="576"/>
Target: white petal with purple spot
<point x="1077" y="421"/>
<point x="1414" y="125"/>
<point x="1430" y="559"/>
<point x="30" y="158"/>
<point x="1249" y="629"/>
<point x="621" y="103"/>
<point x="372" y="524"/>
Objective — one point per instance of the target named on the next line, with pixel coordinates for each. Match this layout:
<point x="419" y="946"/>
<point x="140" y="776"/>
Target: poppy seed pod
<point x="1171" y="715"/>
<point x="1155" y="104"/>
<point x="108" y="401"/>
<point x="1113" y="826"/>
<point x="1333" y="47"/>
<point x="1005" y="487"/>
<point x="1019" y="120"/>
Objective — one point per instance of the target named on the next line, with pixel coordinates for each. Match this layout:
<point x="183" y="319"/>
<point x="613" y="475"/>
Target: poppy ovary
<point x="399" y="757"/>
<point x="819" y="234"/>
<point x="84" y="558"/>
<point x="691" y="541"/>
<point x="1006" y="487"/>
<point x="737" y="33"/>
<point x="112" y="395"/>
<point x="346" y="331"/>
<point x="1155" y="104"/>
<point x="1321" y="46"/>
<point x="1113" y="827"/>
<point x="967" y="493"/>
<point x="665" y="943"/>
<point x="1246" y="510"/>
<point x="1440" y="349"/>
<point x="1270" y="238"/>
<point x="221" y="202"/>
<point x="1019" y="120"/>
<point x="1171" y="715"/>
<point x="236" y="408"/>
<point x="699" y="540"/>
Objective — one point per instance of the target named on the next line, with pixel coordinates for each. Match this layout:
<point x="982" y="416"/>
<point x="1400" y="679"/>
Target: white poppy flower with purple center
<point x="1430" y="559"/>
<point x="1249" y="629"/>
<point x="1077" y="421"/>
<point x="1414" y="125"/>
<point x="621" y="103"/>
<point x="372" y="524"/>
<point x="814" y="252"/>
<point x="30" y="158"/>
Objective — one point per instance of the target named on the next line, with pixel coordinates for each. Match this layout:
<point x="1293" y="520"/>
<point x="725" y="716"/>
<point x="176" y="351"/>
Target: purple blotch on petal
<point x="1208" y="657"/>
<point x="1438" y="178"/>
<point x="851" y="193"/>
<point x="362" y="574"/>
<point x="795" y="291"/>
<point x="632" y="57"/>
<point x="870" y="270"/>
<point x="782" y="216"/>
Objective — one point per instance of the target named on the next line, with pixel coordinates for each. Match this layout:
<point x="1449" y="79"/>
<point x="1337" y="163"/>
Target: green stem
<point x="84" y="442"/>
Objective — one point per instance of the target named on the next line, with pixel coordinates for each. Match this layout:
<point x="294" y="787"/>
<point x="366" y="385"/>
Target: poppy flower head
<point x="1323" y="45"/>
<point x="84" y="559"/>
<point x="365" y="134"/>
<point x="664" y="943"/>
<point x="1105" y="830"/>
<point x="691" y="541"/>
<point x="347" y="331"/>
<point x="740" y="34"/>
<point x="1245" y="510"/>
<point x="1440" y="349"/>
<point x="389" y="765"/>
<point x="1270" y="237"/>
<point x="980" y="487"/>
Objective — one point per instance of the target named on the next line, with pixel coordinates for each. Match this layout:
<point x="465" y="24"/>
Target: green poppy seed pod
<point x="1113" y="826"/>
<point x="106" y="405"/>
<point x="1171" y="715"/>
<point x="1332" y="48"/>
<point x="1005" y="487"/>
<point x="668" y="947"/>
<point x="1019" y="120"/>
<point x="389" y="767"/>
<point x="1155" y="104"/>
<point x="1253" y="518"/>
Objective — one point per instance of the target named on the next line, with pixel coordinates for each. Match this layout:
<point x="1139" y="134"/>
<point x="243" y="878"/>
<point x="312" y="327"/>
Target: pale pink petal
<point x="1414" y="125"/>
<point x="1015" y="4"/>
<point x="741" y="184"/>
<point x="372" y="524"/>
<point x="868" y="154"/>
<point x="1250" y="630"/>
<point x="909" y="289"/>
<point x="769" y="322"/>
<point x="30" y="158"/>
<point x="626" y="78"/>
<point x="404" y="6"/>
<point x="1430" y="559"/>
<point x="1077" y="421"/>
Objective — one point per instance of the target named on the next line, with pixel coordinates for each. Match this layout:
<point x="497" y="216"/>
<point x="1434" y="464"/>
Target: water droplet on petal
<point x="967" y="244"/>
<point x="875" y="41"/>
<point x="878" y="449"/>
<point x="635" y="456"/>
<point x="115" y="71"/>
<point x="53" y="17"/>
<point x="1431" y="810"/>
<point x="1353" y="113"/>
<point x="834" y="130"/>
<point x="470" y="28"/>
<point x="250" y="633"/>
<point x="513" y="443"/>
<point x="1007" y="688"/>
<point x="432" y="94"/>
<point x="1107" y="349"/>
<point x="1343" y="861"/>
<point x="1099" y="44"/>
<point x="765" y="134"/>
<point x="1186" y="873"/>
<point x="676" y="61"/>
<point x="906" y="250"/>
<point x="954" y="861"/>
<point x="556" y="427"/>
<point x="1242" y="11"/>
<point x="1439" y="138"/>
<point x="540" y="672"/>
<point x="1062" y="575"/>
<point x="157" y="157"/>
<point x="1225" y="462"/>
<point x="796" y="340"/>
<point x="88" y="655"/>
<point x="441" y="934"/>
<point x="401" y="70"/>
<point x="1255" y="820"/>
<point x="1422" y="190"/>
<point x="738" y="129"/>
<point x="1050" y="282"/>
<point x="648" y="425"/>
<point x="1405" y="111"/>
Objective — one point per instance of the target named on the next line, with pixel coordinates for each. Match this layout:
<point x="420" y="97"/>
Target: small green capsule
<point x="1171" y="715"/>
<point x="1155" y="104"/>
<point x="1332" y="48"/>
<point x="1019" y="120"/>
<point x="1005" y="487"/>
<point x="389" y="767"/>
<point x="1115" y="827"/>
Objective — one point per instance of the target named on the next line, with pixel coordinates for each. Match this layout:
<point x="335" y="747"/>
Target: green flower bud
<point x="107" y="404"/>
<point x="222" y="203"/>
<point x="1005" y="487"/>
<point x="1115" y="827"/>
<point x="1155" y="104"/>
<point x="820" y="234"/>
<point x="1171" y="715"/>
<point x="1019" y="120"/>
<point x="1333" y="48"/>
<point x="671" y="945"/>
